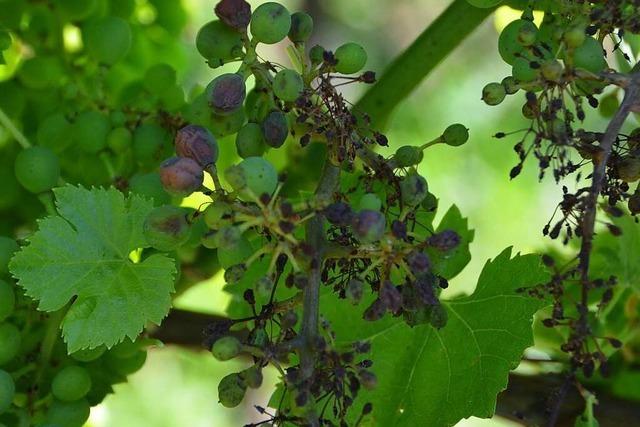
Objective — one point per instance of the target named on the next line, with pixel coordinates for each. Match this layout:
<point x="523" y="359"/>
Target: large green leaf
<point x="82" y="256"/>
<point x="429" y="377"/>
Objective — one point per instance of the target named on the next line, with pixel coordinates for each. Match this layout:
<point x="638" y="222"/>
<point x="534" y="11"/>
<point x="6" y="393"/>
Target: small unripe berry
<point x="252" y="376"/>
<point x="254" y="176"/>
<point x="354" y="291"/>
<point x="250" y="141"/>
<point x="71" y="383"/>
<point x="270" y="23"/>
<point x="413" y="189"/>
<point x="629" y="168"/>
<point x="288" y="85"/>
<point x="408" y="155"/>
<point x="166" y="228"/>
<point x="351" y="58"/>
<point x="455" y="135"/>
<point x="275" y="129"/>
<point x="226" y="348"/>
<point x="574" y="37"/>
<point x="231" y="390"/>
<point x="218" y="43"/>
<point x="301" y="27"/>
<point x="493" y="94"/>
<point x="368" y="226"/>
<point x="228" y="236"/>
<point x="37" y="169"/>
<point x="234" y="13"/>
<point x="527" y="34"/>
<point x="226" y="93"/>
<point x="316" y="54"/>
<point x="215" y="215"/>
<point x="264" y="286"/>
<point x="522" y="71"/>
<point x="197" y="143"/>
<point x="430" y="203"/>
<point x="510" y="85"/>
<point x="181" y="176"/>
<point x="552" y="70"/>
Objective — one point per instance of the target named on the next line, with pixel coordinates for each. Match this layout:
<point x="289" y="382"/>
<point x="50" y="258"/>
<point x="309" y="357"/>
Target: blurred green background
<point x="179" y="387"/>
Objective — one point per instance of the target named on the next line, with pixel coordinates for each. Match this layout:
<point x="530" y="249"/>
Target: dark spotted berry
<point x="234" y="13"/>
<point x="197" y="143"/>
<point x="181" y="176"/>
<point x="226" y="93"/>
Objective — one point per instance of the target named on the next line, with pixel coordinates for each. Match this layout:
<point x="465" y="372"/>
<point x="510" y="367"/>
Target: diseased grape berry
<point x="228" y="236"/>
<point x="368" y="379"/>
<point x="7" y="391"/>
<point x="408" y="155"/>
<point x="10" y="340"/>
<point x="250" y="141"/>
<point x="218" y="43"/>
<point x="522" y="71"/>
<point x="270" y="23"/>
<point x="264" y="287"/>
<point x="301" y="27"/>
<point x="275" y="129"/>
<point x="439" y="316"/>
<point x="108" y="39"/>
<point x="197" y="143"/>
<point x="493" y="94"/>
<point x="231" y="390"/>
<point x="413" y="189"/>
<point x="589" y="56"/>
<point x="217" y="215"/>
<point x="634" y="203"/>
<point x="370" y="201"/>
<point x="166" y="228"/>
<point x="181" y="176"/>
<point x="339" y="214"/>
<point x="226" y="348"/>
<point x="444" y="241"/>
<point x="574" y="37"/>
<point x="288" y="85"/>
<point x="71" y="383"/>
<point x="527" y="34"/>
<point x="37" y="169"/>
<point x="351" y="58"/>
<point x="368" y="226"/>
<point x="354" y="291"/>
<point x="510" y="85"/>
<point x="226" y="93"/>
<point x="455" y="135"/>
<point x="234" y="13"/>
<point x="252" y="376"/>
<point x="552" y="70"/>
<point x="508" y="43"/>
<point x="252" y="177"/>
<point x="628" y="168"/>
<point x="430" y="203"/>
<point x="7" y="300"/>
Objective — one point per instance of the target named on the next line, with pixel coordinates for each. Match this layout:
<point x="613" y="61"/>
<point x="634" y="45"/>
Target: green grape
<point x="7" y="300"/>
<point x="351" y="58"/>
<point x="53" y="132"/>
<point x="68" y="414"/>
<point x="216" y="215"/>
<point x="149" y="143"/>
<point x="37" y="169"/>
<point x="159" y="77"/>
<point x="127" y="348"/>
<point x="301" y="27"/>
<point x="222" y="126"/>
<point x="575" y="37"/>
<point x="10" y="341"/>
<point x="508" y="44"/>
<point x="226" y="348"/>
<point x="608" y="105"/>
<point x="316" y="54"/>
<point x="275" y="129"/>
<point x="527" y="34"/>
<point x="430" y="203"/>
<point x="8" y="247"/>
<point x="510" y="85"/>
<point x="118" y="118"/>
<point x="270" y="23"/>
<point x="88" y="354"/>
<point x="172" y="98"/>
<point x="122" y="8"/>
<point x="219" y="43"/>
<point x="493" y="94"/>
<point x="166" y="228"/>
<point x="589" y="56"/>
<point x="250" y="141"/>
<point x="252" y="376"/>
<point x="71" y="383"/>
<point x="370" y="201"/>
<point x="108" y="39"/>
<point x="149" y="185"/>
<point x="288" y="85"/>
<point x="522" y="71"/>
<point x="119" y="139"/>
<point x="231" y="390"/>
<point x="455" y="135"/>
<point x="90" y="131"/>
<point x="628" y="168"/>
<point x="76" y="10"/>
<point x="41" y="72"/>
<point x="235" y="254"/>
<point x="253" y="176"/>
<point x="408" y="155"/>
<point x="257" y="105"/>
<point x="413" y="189"/>
<point x="126" y="366"/>
<point x="7" y="391"/>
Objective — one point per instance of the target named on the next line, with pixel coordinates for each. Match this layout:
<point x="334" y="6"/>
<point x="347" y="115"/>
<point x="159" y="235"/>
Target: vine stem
<point x="315" y="237"/>
<point x="19" y="136"/>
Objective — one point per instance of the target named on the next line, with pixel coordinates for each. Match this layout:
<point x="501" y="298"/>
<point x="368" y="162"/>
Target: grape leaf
<point x="437" y="377"/>
<point x="619" y="255"/>
<point x="449" y="264"/>
<point x="82" y="255"/>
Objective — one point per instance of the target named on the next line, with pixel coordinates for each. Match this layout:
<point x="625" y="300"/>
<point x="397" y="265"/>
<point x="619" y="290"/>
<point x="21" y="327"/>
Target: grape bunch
<point x="364" y="233"/>
<point x="575" y="61"/>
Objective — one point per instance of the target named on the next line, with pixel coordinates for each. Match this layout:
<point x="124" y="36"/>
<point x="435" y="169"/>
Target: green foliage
<point x="84" y="253"/>
<point x="442" y="376"/>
